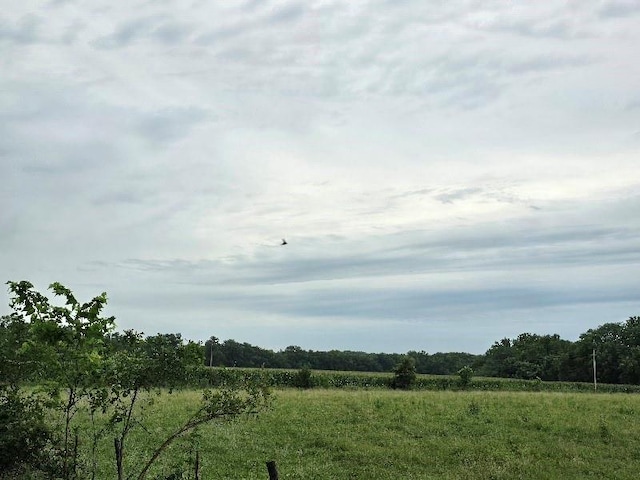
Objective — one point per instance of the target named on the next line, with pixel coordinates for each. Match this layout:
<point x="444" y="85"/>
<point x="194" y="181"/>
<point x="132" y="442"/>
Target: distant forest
<point x="528" y="356"/>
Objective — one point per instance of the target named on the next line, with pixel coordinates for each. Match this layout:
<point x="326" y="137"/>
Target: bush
<point x="303" y="378"/>
<point x="465" y="374"/>
<point x="25" y="439"/>
<point x="404" y="374"/>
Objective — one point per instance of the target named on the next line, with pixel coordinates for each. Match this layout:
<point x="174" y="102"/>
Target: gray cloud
<point x="171" y="33"/>
<point x="24" y="31"/>
<point x="496" y="247"/>
<point x="220" y="34"/>
<point x="555" y="28"/>
<point x="459" y="171"/>
<point x="169" y="124"/>
<point x="408" y="303"/>
<point x="286" y="14"/>
<point x="619" y="8"/>
<point x="420" y="303"/>
<point x="128" y="32"/>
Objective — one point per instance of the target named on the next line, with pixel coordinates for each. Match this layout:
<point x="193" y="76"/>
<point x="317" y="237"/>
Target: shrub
<point x="25" y="439"/>
<point x="303" y="378"/>
<point x="465" y="374"/>
<point x="404" y="375"/>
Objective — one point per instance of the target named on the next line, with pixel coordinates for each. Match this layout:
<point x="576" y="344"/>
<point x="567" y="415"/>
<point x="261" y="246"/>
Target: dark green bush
<point x="25" y="438"/>
<point x="465" y="374"/>
<point x="404" y="375"/>
<point x="303" y="378"/>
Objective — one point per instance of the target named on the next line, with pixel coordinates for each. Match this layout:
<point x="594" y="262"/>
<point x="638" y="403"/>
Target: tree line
<point x="231" y="353"/>
<point x="528" y="356"/>
<point x="615" y="346"/>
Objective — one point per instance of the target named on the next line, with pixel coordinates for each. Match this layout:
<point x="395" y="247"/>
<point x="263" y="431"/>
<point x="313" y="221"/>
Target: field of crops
<point x="384" y="434"/>
<point x="336" y="379"/>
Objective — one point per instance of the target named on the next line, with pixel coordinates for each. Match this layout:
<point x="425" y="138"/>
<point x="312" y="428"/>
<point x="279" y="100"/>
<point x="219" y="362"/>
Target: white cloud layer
<point x="445" y="174"/>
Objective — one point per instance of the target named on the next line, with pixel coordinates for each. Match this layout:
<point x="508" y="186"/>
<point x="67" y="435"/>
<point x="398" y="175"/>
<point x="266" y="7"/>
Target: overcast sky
<point x="446" y="174"/>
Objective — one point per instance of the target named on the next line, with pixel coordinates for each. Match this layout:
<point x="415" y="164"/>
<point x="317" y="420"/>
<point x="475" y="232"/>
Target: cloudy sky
<point x="446" y="174"/>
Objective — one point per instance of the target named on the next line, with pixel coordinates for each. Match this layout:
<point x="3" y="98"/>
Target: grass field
<point x="380" y="434"/>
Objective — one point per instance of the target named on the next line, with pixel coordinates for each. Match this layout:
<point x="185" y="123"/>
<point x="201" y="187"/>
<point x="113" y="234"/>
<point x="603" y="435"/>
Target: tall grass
<point x="355" y="434"/>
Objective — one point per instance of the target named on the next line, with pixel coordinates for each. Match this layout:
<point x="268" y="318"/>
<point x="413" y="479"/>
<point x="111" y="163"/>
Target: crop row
<point x="281" y="378"/>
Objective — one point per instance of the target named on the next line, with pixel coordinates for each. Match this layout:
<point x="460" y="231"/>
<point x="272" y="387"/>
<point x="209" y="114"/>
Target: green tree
<point x="404" y="375"/>
<point x="465" y="375"/>
<point x="527" y="356"/>
<point x="617" y="347"/>
<point x="67" y="344"/>
<point x="303" y="378"/>
<point x="83" y="365"/>
<point x="608" y="342"/>
<point x="210" y="353"/>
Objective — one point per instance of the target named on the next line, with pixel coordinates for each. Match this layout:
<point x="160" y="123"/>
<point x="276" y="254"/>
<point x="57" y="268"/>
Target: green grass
<point x="356" y="434"/>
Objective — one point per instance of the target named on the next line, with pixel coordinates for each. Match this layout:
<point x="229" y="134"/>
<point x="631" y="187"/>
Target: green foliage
<point x="303" y="378"/>
<point x="465" y="374"/>
<point x="404" y="375"/>
<point x="280" y="378"/>
<point x="550" y="358"/>
<point x="15" y="363"/>
<point x="617" y="347"/>
<point x="87" y="371"/>
<point x="528" y="356"/>
<point x="65" y="345"/>
<point x="26" y="441"/>
<point x="235" y="354"/>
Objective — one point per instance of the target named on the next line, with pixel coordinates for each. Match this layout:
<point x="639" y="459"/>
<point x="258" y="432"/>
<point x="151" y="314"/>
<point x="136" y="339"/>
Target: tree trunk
<point x="118" y="446"/>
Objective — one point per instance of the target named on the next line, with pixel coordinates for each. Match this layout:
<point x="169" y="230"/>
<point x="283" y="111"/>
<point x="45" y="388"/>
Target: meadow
<point x="384" y="434"/>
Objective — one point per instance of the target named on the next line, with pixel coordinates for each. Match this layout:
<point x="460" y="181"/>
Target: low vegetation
<point x="387" y="434"/>
<point x="281" y="378"/>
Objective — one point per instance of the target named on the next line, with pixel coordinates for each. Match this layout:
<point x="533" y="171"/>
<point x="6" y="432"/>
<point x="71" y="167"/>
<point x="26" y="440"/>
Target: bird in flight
<point x="284" y="242"/>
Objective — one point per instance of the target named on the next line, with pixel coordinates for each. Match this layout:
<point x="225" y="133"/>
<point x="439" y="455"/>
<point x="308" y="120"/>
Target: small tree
<point x="465" y="375"/>
<point x="404" y="375"/>
<point x="66" y="345"/>
<point x="303" y="378"/>
<point x="25" y="437"/>
<point x="68" y="350"/>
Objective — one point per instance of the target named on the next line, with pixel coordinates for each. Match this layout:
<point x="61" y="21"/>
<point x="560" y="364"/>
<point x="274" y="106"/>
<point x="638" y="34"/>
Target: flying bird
<point x="284" y="242"/>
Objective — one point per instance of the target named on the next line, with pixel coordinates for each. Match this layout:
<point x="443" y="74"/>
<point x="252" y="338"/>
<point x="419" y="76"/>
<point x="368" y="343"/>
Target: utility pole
<point x="595" y="378"/>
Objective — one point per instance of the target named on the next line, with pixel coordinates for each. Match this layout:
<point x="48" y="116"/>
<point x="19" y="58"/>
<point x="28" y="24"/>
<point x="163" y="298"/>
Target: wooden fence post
<point x="273" y="471"/>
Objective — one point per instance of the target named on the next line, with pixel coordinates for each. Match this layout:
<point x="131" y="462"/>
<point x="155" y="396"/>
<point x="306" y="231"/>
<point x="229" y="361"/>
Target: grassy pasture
<point x="381" y="434"/>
